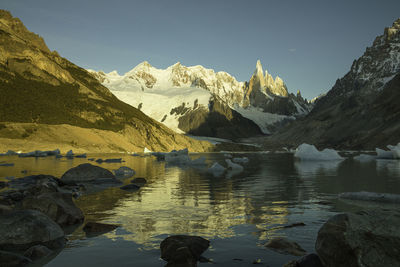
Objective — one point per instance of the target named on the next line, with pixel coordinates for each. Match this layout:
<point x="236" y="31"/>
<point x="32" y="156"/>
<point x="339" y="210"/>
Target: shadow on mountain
<point x="218" y="121"/>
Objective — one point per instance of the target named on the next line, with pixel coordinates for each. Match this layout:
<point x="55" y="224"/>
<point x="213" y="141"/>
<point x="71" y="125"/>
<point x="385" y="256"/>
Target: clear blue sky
<point x="308" y="43"/>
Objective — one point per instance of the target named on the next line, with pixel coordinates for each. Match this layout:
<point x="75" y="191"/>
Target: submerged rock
<point x="95" y="228"/>
<point x="285" y="246"/>
<point x="139" y="181"/>
<point x="130" y="187"/>
<point x="183" y="250"/>
<point x="58" y="206"/>
<point x="88" y="173"/>
<point x="10" y="259"/>
<point x="366" y="238"/>
<point x="37" y="252"/>
<point x="26" y="228"/>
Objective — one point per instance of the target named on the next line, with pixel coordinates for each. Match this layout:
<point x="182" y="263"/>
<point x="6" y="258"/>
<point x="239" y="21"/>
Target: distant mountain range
<point x="362" y="109"/>
<point x="201" y="101"/>
<point x="38" y="86"/>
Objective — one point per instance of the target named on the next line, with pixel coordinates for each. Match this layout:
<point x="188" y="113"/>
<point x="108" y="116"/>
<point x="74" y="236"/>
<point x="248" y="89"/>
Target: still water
<point x="238" y="213"/>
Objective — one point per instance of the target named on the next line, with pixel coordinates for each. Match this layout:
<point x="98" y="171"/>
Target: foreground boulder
<point x="23" y="229"/>
<point x="368" y="238"/>
<point x="58" y="206"/>
<point x="88" y="173"/>
<point x="310" y="260"/>
<point x="183" y="250"/>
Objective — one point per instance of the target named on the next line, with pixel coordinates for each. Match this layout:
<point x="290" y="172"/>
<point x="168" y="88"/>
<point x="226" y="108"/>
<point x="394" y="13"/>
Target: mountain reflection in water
<point x="238" y="214"/>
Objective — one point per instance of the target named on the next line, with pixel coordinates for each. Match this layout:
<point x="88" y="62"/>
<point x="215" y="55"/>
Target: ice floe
<point x="310" y="152"/>
<point x="371" y="196"/>
<point x="233" y="166"/>
<point x="365" y="157"/>
<point x="241" y="160"/>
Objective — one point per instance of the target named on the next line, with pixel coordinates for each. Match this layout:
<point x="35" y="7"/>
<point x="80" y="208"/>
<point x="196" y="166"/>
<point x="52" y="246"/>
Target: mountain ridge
<point x="38" y="86"/>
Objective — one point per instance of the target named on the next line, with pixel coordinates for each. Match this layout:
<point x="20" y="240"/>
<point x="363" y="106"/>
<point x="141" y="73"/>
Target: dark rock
<point x="87" y="173"/>
<point x="5" y="209"/>
<point x="35" y="180"/>
<point x="3" y="184"/>
<point x="124" y="172"/>
<point x="182" y="250"/>
<point x="310" y="260"/>
<point x="130" y="187"/>
<point x="58" y="206"/>
<point x="367" y="238"/>
<point x="81" y="156"/>
<point x="37" y="252"/>
<point x="9" y="259"/>
<point x="94" y="228"/>
<point x="139" y="181"/>
<point x="285" y="246"/>
<point x="24" y="229"/>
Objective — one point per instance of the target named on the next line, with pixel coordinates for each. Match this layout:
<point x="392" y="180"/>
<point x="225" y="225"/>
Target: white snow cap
<point x="310" y="152"/>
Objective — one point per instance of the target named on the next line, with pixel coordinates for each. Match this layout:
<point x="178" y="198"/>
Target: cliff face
<point x="360" y="111"/>
<point x="39" y="86"/>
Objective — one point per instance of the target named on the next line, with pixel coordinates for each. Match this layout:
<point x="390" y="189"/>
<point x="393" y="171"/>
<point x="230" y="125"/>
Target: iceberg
<point x="180" y="157"/>
<point x="146" y="150"/>
<point x="383" y="154"/>
<point x="216" y="169"/>
<point x="365" y="157"/>
<point x="310" y="152"/>
<point x="233" y="166"/>
<point x="395" y="150"/>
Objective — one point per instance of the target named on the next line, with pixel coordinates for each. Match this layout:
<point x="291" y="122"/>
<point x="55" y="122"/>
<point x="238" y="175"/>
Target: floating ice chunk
<point x="233" y="166"/>
<point x="81" y="156"/>
<point x="69" y="154"/>
<point x="365" y="157"/>
<point x="6" y="164"/>
<point x="179" y="157"/>
<point x="9" y="153"/>
<point x="371" y="196"/>
<point x="226" y="155"/>
<point x="146" y="150"/>
<point x="199" y="161"/>
<point x="124" y="172"/>
<point x="310" y="152"/>
<point x="383" y="154"/>
<point x="240" y="160"/>
<point x="395" y="150"/>
<point x="216" y="169"/>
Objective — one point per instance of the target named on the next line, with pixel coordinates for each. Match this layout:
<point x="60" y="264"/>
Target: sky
<point x="308" y="43"/>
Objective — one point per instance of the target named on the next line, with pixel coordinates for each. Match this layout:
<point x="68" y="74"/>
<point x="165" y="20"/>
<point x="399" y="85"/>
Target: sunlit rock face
<point x="361" y="110"/>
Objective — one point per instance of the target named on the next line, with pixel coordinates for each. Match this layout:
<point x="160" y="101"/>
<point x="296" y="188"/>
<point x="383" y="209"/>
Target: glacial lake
<point x="238" y="213"/>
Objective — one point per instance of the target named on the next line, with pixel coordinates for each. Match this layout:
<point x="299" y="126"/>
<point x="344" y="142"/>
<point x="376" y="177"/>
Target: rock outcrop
<point x="367" y="238"/>
<point x="23" y="229"/>
<point x="361" y="111"/>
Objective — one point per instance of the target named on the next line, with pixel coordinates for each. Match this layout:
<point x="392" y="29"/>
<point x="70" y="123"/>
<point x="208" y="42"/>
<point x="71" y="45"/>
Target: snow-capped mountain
<point x="172" y="96"/>
<point x="361" y="110"/>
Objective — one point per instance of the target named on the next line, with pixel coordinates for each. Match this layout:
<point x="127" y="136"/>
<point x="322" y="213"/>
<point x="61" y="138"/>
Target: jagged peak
<point x="259" y="69"/>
